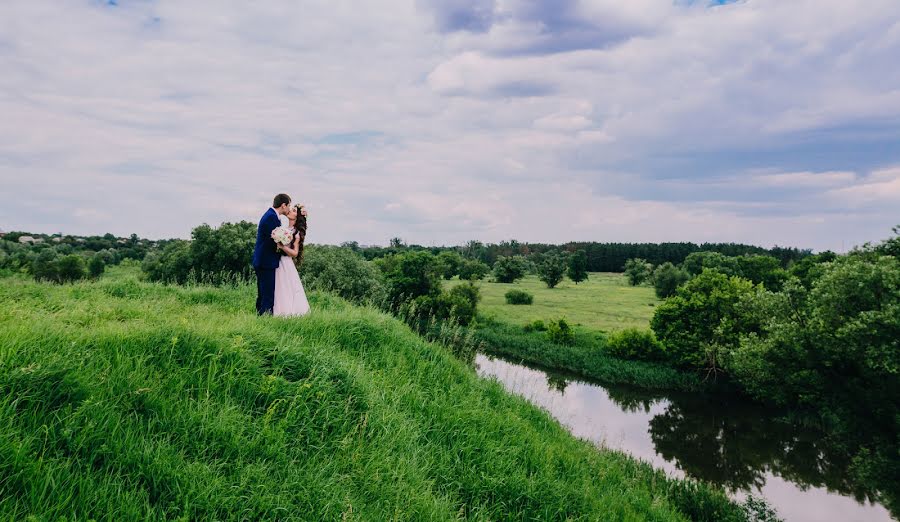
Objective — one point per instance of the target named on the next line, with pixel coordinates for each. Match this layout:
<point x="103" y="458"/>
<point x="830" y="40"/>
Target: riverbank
<point x="585" y="358"/>
<point x="126" y="400"/>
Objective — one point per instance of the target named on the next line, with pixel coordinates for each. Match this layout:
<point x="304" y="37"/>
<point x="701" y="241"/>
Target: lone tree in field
<point x="637" y="271"/>
<point x="509" y="269"/>
<point x="578" y="267"/>
<point x="551" y="268"/>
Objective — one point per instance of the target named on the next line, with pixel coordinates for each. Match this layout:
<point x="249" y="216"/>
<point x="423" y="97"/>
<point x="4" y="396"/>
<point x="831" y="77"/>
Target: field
<point x="605" y="302"/>
<point x="122" y="400"/>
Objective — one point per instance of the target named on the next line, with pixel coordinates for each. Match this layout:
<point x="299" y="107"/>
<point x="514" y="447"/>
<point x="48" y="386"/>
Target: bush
<point x="473" y="270"/>
<point x="560" y="332"/>
<point x="638" y="271"/>
<point x="578" y="267"/>
<point x="343" y="272"/>
<point x="632" y="343"/>
<point x="464" y="302"/>
<point x="410" y="275"/>
<point x="171" y="265"/>
<point x="509" y="269"/>
<point x="519" y="297"/>
<point x="701" y="320"/>
<point x="450" y="263"/>
<point x="535" y="326"/>
<point x="70" y="268"/>
<point x="551" y="268"/>
<point x="96" y="266"/>
<point x="43" y="268"/>
<point x="695" y="263"/>
<point x="667" y="278"/>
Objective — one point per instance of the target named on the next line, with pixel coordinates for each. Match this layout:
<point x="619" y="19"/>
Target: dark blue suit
<point x="266" y="258"/>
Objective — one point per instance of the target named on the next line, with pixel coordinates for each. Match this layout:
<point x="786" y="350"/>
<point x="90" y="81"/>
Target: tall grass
<point x="123" y="400"/>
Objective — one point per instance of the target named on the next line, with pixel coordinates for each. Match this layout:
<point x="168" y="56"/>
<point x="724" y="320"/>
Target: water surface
<point x="737" y="446"/>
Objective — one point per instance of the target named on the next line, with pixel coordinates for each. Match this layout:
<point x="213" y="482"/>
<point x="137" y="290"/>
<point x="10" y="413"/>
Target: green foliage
<point x="214" y="255"/>
<point x="667" y="278"/>
<point x="810" y="268"/>
<point x="551" y="268"/>
<point x="638" y="271"/>
<point x="535" y="326"/>
<point x="578" y="267"/>
<point x="450" y="262"/>
<point x="700" y="323"/>
<point x="509" y="269"/>
<point x="341" y="271"/>
<point x="96" y="266"/>
<point x="171" y="265"/>
<point x="473" y="270"/>
<point x="845" y="330"/>
<point x="560" y="332"/>
<point x="44" y="267"/>
<point x="695" y="263"/>
<point x="70" y="268"/>
<point x="764" y="270"/>
<point x="410" y="275"/>
<point x="519" y="297"/>
<point x="635" y="344"/>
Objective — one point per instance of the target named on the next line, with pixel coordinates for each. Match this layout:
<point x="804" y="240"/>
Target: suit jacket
<point x="266" y="254"/>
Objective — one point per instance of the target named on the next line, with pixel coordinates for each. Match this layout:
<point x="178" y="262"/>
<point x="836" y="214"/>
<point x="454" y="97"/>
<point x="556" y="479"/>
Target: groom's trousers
<point x="265" y="290"/>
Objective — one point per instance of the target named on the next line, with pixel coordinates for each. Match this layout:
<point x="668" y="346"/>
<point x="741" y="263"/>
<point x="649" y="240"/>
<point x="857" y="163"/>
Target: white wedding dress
<point x="290" y="298"/>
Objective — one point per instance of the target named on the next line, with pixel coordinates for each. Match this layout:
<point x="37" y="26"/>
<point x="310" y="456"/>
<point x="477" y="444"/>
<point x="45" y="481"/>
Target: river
<point x="734" y="445"/>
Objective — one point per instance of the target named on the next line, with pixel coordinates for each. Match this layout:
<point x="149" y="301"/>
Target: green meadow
<point x="605" y="302"/>
<point x="124" y="400"/>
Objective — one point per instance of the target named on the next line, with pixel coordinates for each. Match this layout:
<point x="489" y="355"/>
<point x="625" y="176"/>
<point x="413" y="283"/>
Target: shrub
<point x="551" y="268"/>
<point x="343" y="272"/>
<point x="695" y="263"/>
<point x="410" y="275"/>
<point x="638" y="271"/>
<point x="632" y="343"/>
<point x="578" y="267"/>
<point x="560" y="332"/>
<point x="43" y="268"/>
<point x="701" y="320"/>
<point x="171" y="265"/>
<point x="519" y="297"/>
<point x="96" y="266"/>
<point x="464" y="302"/>
<point x="473" y="270"/>
<point x="535" y="326"/>
<point x="509" y="269"/>
<point x="449" y="262"/>
<point x="70" y="268"/>
<point x="667" y="278"/>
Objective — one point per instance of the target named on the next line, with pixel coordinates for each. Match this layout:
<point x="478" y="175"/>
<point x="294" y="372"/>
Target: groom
<point x="266" y="255"/>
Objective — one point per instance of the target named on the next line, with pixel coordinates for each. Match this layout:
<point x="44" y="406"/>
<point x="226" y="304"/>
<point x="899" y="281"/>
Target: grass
<point x="122" y="400"/>
<point x="605" y="302"/>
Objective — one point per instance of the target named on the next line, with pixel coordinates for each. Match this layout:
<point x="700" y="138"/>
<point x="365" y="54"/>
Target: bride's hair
<point x="300" y="226"/>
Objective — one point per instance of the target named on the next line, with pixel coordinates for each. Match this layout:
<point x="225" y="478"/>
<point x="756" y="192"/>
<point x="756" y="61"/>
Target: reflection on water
<point x="738" y="446"/>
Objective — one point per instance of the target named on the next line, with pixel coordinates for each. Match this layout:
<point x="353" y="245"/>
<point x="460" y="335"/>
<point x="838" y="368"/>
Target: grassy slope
<point x="604" y="302"/>
<point x="123" y="401"/>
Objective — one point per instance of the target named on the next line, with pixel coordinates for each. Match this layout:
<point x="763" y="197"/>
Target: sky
<point x="758" y="121"/>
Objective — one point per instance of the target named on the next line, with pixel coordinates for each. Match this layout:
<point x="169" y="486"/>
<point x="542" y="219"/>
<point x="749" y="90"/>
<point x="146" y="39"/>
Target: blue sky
<point x="766" y="122"/>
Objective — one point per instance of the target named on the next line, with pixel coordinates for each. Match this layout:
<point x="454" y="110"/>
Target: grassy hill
<point x="121" y="400"/>
<point x="604" y="302"/>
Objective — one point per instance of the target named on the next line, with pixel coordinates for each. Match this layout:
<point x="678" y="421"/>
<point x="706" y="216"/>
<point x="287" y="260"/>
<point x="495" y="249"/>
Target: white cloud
<point x="534" y="120"/>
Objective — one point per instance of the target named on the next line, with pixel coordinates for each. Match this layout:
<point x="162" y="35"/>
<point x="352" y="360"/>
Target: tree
<point x="44" y="268"/>
<point x="410" y="275"/>
<point x="509" y="269"/>
<point x="696" y="262"/>
<point x="765" y="270"/>
<point x="700" y="321"/>
<point x="473" y="270"/>
<point x="638" y="271"/>
<point x="449" y="262"/>
<point x="578" y="271"/>
<point x="96" y="266"/>
<point x="667" y="278"/>
<point x="397" y="243"/>
<point x="341" y="271"/>
<point x="551" y="268"/>
<point x="70" y="268"/>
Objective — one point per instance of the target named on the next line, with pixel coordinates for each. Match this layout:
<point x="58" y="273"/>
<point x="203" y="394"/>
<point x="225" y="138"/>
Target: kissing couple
<point x="279" y="241"/>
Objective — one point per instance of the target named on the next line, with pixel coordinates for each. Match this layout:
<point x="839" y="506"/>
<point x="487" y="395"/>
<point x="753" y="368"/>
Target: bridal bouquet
<point x="283" y="235"/>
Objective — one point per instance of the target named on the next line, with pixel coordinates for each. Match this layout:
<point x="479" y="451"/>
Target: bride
<point x="290" y="298"/>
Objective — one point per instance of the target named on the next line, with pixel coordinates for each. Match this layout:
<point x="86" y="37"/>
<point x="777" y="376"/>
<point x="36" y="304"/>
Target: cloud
<point x="761" y="121"/>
